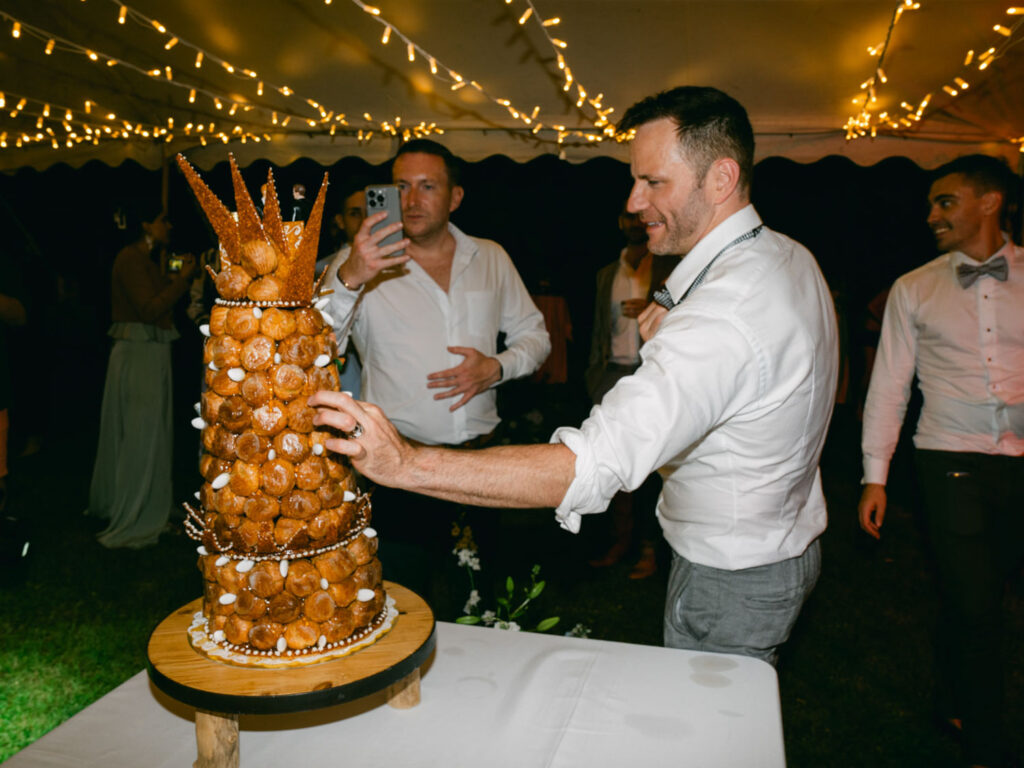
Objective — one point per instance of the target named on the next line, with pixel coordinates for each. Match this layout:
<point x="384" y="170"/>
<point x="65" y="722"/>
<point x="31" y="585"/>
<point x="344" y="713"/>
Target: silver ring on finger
<point x="357" y="432"/>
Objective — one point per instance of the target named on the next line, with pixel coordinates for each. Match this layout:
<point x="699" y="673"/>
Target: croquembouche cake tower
<point x="286" y="551"/>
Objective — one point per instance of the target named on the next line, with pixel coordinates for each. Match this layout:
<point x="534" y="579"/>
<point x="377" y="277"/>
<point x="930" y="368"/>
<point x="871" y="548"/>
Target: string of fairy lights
<point x="253" y="119"/>
<point x="869" y="120"/>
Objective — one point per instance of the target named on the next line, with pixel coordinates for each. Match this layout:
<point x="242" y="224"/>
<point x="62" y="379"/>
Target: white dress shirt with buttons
<point x="404" y="322"/>
<point x="967" y="347"/>
<point x="732" y="401"/>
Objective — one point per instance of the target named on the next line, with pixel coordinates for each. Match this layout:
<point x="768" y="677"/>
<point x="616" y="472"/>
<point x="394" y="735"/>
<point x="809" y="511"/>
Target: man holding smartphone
<point x="426" y="323"/>
<point x="426" y="326"/>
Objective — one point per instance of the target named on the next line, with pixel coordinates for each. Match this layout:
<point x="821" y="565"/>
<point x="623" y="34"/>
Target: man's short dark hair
<point x="452" y="164"/>
<point x="710" y="125"/>
<point x="985" y="174"/>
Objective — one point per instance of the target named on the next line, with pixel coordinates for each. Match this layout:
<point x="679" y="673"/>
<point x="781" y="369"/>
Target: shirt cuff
<point x="875" y="471"/>
<point x="580" y="498"/>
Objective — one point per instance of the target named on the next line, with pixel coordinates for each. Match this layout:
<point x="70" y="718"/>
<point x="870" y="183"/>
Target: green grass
<point x="854" y="678"/>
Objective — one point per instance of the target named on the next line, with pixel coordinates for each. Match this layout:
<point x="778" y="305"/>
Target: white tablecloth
<point x="489" y="698"/>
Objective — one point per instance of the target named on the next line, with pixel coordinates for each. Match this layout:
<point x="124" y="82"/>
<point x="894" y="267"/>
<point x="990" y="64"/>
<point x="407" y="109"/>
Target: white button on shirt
<point x="967" y="347"/>
<point x="732" y="401"/>
<point x="405" y="322"/>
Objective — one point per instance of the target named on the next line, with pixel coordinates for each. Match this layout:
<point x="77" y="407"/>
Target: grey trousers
<point x="748" y="612"/>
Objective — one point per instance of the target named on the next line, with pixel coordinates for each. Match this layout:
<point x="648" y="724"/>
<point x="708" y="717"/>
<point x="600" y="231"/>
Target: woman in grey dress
<point x="131" y="481"/>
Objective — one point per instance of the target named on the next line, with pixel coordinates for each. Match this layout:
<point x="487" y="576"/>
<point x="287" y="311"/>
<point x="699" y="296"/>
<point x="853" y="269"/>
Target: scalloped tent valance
<point x="796" y="65"/>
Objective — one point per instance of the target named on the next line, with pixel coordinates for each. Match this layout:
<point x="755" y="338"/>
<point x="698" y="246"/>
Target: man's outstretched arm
<point x="506" y="476"/>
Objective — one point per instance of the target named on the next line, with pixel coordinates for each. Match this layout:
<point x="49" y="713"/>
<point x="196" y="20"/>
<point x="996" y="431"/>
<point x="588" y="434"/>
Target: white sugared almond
<point x="277" y="358"/>
<point x="227" y="598"/>
<point x="281" y="644"/>
<point x="324" y="584"/>
<point x="271" y="454"/>
<point x="245" y="566"/>
<point x="257" y="312"/>
<point x="222" y="560"/>
<point x="236" y="374"/>
<point x="363" y="596"/>
<point x="218" y="636"/>
<point x="212" y="367"/>
<point x="202" y="550"/>
<point x="205" y="329"/>
<point x="321" y="303"/>
<point x="348" y="496"/>
<point x="283" y="568"/>
<point x="321" y="642"/>
<point x="370" y="533"/>
<point x="318" y="449"/>
<point x="322" y="360"/>
<point x="198" y="422"/>
<point x="220" y="481"/>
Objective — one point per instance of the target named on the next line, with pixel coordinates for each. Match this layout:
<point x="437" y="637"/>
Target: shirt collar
<point x="704" y="251"/>
<point x="956" y="258"/>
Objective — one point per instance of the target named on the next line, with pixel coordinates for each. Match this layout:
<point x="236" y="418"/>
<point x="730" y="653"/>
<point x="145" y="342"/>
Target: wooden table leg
<point x="405" y="694"/>
<point x="216" y="740"/>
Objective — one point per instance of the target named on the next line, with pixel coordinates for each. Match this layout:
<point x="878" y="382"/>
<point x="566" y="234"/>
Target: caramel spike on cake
<point x="272" y="225"/>
<point x="220" y="218"/>
<point x="249" y="225"/>
<point x="298" y="283"/>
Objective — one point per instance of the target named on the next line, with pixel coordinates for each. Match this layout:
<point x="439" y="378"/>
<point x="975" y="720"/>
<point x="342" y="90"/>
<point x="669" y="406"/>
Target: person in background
<point x="426" y="326"/>
<point x="957" y="323"/>
<point x="12" y="315"/>
<point x="624" y="288"/>
<point x="731" y="401"/>
<point x="349" y="219"/>
<point x="131" y="481"/>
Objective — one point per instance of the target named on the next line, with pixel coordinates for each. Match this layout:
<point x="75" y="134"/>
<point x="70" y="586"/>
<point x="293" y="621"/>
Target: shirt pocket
<point x="482" y="317"/>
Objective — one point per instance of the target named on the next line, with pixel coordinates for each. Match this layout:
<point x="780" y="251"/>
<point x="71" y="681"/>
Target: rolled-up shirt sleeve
<point x="342" y="304"/>
<point x="691" y="378"/>
<point x="527" y="343"/>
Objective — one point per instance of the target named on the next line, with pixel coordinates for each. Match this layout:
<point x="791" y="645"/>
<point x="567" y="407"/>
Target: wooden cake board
<point x="220" y="692"/>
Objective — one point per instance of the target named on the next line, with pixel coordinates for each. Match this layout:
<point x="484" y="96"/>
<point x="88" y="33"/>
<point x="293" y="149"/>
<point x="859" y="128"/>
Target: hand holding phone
<point x="366" y="260"/>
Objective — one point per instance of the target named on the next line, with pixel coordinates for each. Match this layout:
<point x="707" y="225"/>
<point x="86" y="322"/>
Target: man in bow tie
<point x="958" y="323"/>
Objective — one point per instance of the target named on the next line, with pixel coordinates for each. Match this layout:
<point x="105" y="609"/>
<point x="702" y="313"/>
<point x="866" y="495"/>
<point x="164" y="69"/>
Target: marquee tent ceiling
<point x="795" y="64"/>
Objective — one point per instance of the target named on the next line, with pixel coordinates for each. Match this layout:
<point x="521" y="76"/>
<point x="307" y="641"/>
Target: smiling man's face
<point x="956" y="214"/>
<point x="671" y="200"/>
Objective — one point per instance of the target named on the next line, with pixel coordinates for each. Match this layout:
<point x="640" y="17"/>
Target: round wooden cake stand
<point x="220" y="692"/>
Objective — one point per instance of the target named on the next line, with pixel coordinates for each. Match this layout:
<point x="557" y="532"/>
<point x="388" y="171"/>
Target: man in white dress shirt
<point x="958" y="323"/>
<point x="426" y="323"/>
<point x="731" y="401"/>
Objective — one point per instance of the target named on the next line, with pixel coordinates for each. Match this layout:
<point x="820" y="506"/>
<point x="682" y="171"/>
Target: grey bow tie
<point x="968" y="275"/>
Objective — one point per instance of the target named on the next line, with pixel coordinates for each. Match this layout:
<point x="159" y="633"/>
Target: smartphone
<point x="385" y="197"/>
<point x="174" y="263"/>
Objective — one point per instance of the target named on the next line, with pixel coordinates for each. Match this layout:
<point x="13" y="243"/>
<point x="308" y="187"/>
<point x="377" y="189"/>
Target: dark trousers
<point x="416" y="543"/>
<point x="974" y="504"/>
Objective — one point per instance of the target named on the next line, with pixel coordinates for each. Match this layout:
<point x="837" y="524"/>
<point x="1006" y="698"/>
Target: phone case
<point x="385" y="197"/>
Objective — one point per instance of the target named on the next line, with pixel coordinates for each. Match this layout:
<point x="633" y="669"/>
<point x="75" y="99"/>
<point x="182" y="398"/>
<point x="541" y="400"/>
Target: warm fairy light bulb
<point x="199" y="59"/>
<point x="286" y="91"/>
<point x="526" y="15"/>
<point x="234" y="108"/>
<point x="49" y="46"/>
<point x="551" y="22"/>
<point x="559" y="43"/>
<point x="228" y="67"/>
<point x="950" y="90"/>
<point x="1002" y="30"/>
<point x="158" y="26"/>
<point x="16" y="29"/>
<point x="168" y="72"/>
<point x="881" y="75"/>
<point x="46" y="110"/>
<point x="969" y="58"/>
<point x="170" y="43"/>
<point x="411" y="50"/>
<point x="217" y="104"/>
<point x="259" y="88"/>
<point x="984" y="64"/>
<point x="962" y="83"/>
<point x="433" y="66"/>
<point x="154" y="73"/>
<point x="386" y="36"/>
<point x="287" y="119"/>
<point x="67" y="115"/>
<point x="372" y="10"/>
<point x="1014" y="11"/>
<point x="192" y="96"/>
<point x="111" y="62"/>
<point x="367" y="118"/>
